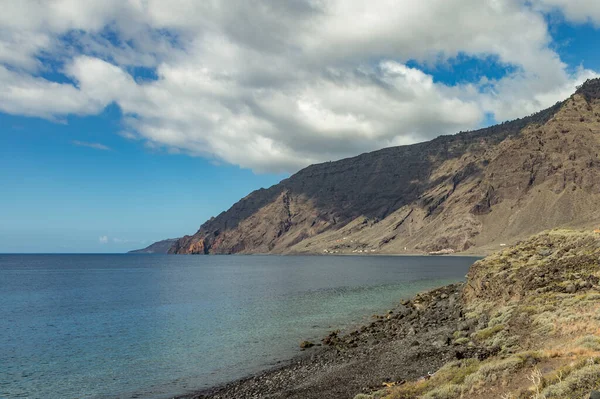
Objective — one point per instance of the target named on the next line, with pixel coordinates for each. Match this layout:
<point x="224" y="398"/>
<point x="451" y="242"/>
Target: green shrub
<point x="462" y="341"/>
<point x="449" y="391"/>
<point x="456" y="372"/>
<point x="491" y="371"/>
<point x="590" y="342"/>
<point x="501" y="316"/>
<point x="487" y="333"/>
<point x="578" y="383"/>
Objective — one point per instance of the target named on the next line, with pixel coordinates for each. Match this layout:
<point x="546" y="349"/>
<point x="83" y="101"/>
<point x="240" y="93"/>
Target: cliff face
<point x="469" y="192"/>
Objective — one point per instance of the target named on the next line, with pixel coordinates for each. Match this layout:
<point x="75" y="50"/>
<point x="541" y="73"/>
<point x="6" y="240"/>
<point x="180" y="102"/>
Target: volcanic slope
<point x="469" y="192"/>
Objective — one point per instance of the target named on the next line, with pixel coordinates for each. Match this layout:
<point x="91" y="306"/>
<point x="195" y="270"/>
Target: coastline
<point x="409" y="342"/>
<point x="467" y="254"/>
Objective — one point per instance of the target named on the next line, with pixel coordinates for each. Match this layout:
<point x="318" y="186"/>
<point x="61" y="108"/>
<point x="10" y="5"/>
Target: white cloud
<point x="96" y="146"/>
<point x="127" y="241"/>
<point x="116" y="240"/>
<point x="33" y="96"/>
<point x="581" y="11"/>
<point x="273" y="85"/>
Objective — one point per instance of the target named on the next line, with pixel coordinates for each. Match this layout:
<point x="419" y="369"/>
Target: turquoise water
<point x="151" y="326"/>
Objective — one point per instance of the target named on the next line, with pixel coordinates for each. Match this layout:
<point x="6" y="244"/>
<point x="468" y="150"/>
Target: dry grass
<point x="534" y="318"/>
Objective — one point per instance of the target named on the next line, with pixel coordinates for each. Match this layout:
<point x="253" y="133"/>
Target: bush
<point x="493" y="370"/>
<point x="487" y="333"/>
<point x="590" y="342"/>
<point x="449" y="391"/>
<point x="578" y="383"/>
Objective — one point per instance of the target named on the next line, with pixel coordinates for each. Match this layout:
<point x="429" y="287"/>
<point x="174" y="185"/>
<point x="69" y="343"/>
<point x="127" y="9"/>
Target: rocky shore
<point x="525" y="325"/>
<point x="409" y="342"/>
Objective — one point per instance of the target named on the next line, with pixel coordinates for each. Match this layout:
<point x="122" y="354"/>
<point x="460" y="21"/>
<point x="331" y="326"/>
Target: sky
<point x="123" y="122"/>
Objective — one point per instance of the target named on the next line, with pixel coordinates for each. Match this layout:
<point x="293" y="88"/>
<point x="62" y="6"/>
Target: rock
<point x="571" y="288"/>
<point x="452" y="300"/>
<point x="545" y="252"/>
<point x="402" y="311"/>
<point x="482" y="322"/>
<point x="464" y="326"/>
<point x="332" y="338"/>
<point x="306" y="344"/>
<point x="595" y="395"/>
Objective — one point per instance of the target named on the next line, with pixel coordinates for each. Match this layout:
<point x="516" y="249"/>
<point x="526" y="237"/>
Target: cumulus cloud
<point x="103" y="239"/>
<point x="274" y="86"/>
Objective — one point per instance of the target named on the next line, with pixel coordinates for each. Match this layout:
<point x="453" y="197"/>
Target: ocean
<point x="155" y="326"/>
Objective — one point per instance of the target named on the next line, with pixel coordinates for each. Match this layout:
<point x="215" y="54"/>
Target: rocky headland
<point x="159" y="247"/>
<point x="525" y="324"/>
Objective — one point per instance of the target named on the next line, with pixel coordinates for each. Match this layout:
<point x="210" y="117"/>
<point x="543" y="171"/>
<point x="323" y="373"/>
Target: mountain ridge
<point x="430" y="196"/>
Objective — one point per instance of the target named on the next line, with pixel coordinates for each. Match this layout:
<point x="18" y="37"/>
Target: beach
<point x="410" y="342"/>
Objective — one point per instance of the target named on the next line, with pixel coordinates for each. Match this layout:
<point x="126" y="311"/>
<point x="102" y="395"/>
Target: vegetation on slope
<point x="537" y="306"/>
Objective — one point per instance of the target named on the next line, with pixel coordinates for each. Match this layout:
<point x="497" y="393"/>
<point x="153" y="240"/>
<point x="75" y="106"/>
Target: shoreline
<point x="364" y="254"/>
<point x="407" y="343"/>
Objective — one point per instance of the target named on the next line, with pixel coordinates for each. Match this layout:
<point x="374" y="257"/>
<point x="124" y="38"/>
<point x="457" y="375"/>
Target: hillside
<point x="160" y="247"/>
<point x="535" y="308"/>
<point x="470" y="192"/>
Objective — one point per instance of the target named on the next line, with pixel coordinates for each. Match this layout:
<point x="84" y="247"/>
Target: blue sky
<point x="61" y="197"/>
<point x="125" y="125"/>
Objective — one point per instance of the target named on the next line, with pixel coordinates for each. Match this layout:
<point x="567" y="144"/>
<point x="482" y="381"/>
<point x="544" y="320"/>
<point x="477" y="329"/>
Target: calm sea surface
<point x="152" y="326"/>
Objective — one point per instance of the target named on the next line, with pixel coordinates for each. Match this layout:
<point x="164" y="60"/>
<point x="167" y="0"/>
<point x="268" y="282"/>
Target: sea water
<point x="154" y="326"/>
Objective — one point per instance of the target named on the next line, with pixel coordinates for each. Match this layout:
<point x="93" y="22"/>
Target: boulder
<point x="306" y="344"/>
